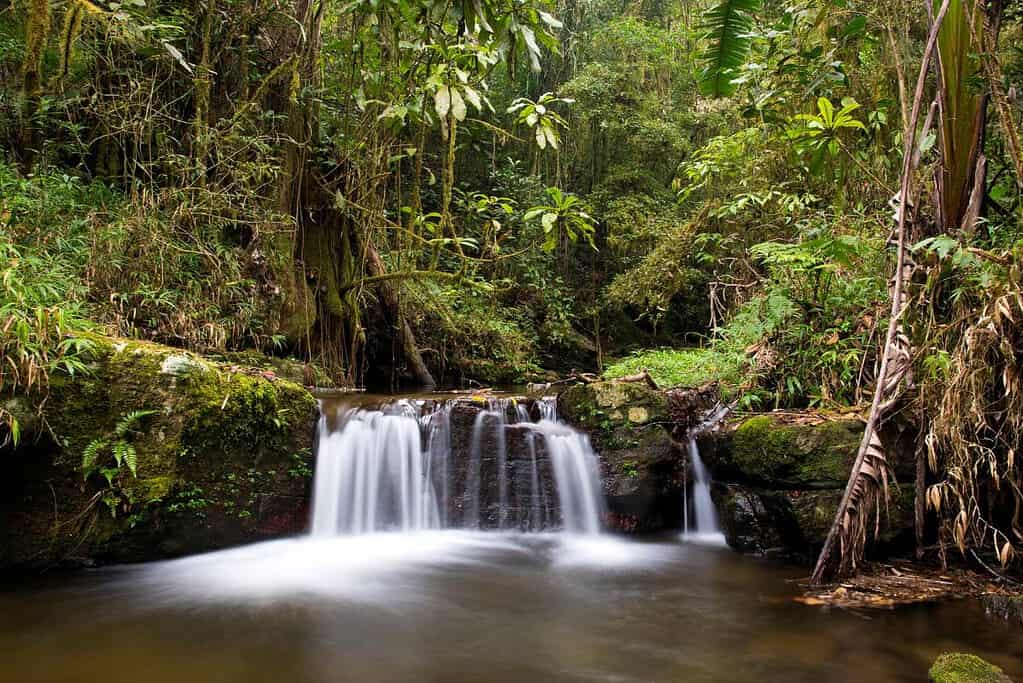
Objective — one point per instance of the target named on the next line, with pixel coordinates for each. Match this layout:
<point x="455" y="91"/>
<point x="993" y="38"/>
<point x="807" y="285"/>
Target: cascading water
<point x="705" y="527"/>
<point x="705" y="517"/>
<point x="418" y="465"/>
<point x="575" y="470"/>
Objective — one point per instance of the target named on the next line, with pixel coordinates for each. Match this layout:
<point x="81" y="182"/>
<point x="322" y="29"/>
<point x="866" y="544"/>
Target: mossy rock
<point x="957" y="667"/>
<point x="606" y="405"/>
<point x="773" y="452"/>
<point x="223" y="456"/>
<point x="641" y="465"/>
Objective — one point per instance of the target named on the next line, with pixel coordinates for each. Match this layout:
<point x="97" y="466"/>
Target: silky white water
<point x="396" y="469"/>
<point x="705" y="527"/>
<point x="577" y="477"/>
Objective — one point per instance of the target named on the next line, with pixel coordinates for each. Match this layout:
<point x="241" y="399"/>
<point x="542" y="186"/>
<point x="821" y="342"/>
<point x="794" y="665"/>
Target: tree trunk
<point x="37" y="33"/>
<point x="404" y="337"/>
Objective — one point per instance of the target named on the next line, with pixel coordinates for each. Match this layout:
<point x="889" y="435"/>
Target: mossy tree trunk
<point x="37" y="34"/>
<point x="300" y="132"/>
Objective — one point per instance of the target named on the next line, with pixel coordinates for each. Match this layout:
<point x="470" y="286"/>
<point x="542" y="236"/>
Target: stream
<point x="459" y="606"/>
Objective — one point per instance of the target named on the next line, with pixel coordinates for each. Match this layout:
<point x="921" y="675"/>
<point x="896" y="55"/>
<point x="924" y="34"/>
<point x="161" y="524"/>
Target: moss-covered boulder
<point x="781" y="477"/>
<point x="628" y="424"/>
<point x="778" y="451"/>
<point x="156" y="452"/>
<point x="956" y="667"/>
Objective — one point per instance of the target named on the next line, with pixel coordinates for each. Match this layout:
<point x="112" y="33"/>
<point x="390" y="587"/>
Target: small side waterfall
<point x="705" y="527"/>
<point x="705" y="517"/>
<point x="418" y="465"/>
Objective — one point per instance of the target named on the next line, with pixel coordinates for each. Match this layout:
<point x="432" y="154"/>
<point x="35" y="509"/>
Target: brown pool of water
<point x="456" y="607"/>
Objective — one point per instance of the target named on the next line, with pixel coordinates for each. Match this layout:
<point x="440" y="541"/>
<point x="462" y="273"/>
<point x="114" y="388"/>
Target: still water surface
<point x="454" y="607"/>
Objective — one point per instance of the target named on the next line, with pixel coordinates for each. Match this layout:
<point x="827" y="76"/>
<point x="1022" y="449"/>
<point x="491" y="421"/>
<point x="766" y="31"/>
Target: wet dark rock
<point x="746" y="522"/>
<point x="522" y="447"/>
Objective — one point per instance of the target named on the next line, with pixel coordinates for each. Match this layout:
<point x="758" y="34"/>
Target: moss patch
<point x="682" y="367"/>
<point x="957" y="667"/>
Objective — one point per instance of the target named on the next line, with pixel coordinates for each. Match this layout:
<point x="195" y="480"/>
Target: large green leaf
<point x="962" y="110"/>
<point x="727" y="24"/>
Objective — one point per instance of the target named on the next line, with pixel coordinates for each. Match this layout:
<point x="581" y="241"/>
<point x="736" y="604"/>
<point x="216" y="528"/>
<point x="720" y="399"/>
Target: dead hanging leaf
<point x="1005" y="554"/>
<point x="177" y="55"/>
<point x="1005" y="309"/>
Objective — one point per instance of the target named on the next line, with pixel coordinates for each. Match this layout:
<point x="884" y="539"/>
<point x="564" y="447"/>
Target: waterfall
<point x="548" y="407"/>
<point x="705" y="527"/>
<point x="705" y="516"/>
<point x="419" y="465"/>
<point x="372" y="476"/>
<point x="438" y="426"/>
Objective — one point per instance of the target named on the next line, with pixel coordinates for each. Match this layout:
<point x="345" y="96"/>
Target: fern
<point x="728" y="24"/>
<point x="118" y="446"/>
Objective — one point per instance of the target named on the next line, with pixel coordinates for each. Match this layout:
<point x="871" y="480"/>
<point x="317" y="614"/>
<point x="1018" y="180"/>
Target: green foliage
<point x="540" y="118"/>
<point x="814" y="324"/>
<point x="38" y="311"/>
<point x="110" y="456"/>
<point x="118" y="446"/>
<point x="474" y="338"/>
<point x="822" y="131"/>
<point x="563" y="219"/>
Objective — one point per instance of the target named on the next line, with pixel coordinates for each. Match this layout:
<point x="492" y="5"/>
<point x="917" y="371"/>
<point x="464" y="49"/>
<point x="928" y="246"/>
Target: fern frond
<point x="91" y="454"/>
<point x="131" y="459"/>
<point x="130" y="420"/>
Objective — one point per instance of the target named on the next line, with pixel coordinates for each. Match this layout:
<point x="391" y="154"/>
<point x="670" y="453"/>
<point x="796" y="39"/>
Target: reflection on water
<point x="456" y="607"/>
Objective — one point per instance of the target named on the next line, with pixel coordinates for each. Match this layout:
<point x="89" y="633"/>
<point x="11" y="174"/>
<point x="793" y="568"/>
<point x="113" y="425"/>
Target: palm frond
<point x="727" y="24"/>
